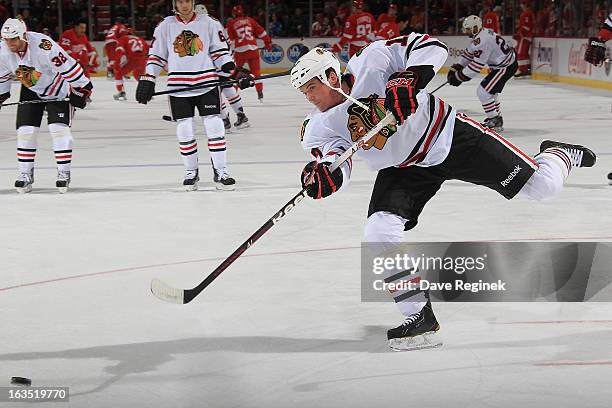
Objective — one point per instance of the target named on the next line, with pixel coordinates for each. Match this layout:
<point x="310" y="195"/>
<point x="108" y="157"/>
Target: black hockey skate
<point x="417" y="332"/>
<point x="121" y="96"/>
<point x="242" y="121"/>
<point x="24" y="182"/>
<point x="260" y="96"/>
<point x="580" y="155"/>
<point x="191" y="180"/>
<point x="222" y="180"/>
<point x="63" y="181"/>
<point x="227" y="124"/>
<point x="523" y="74"/>
<point x="496" y="123"/>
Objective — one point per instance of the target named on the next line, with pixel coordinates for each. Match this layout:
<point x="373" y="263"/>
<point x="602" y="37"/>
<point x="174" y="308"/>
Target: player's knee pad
<point x="484" y="96"/>
<point x="383" y="226"/>
<point x="60" y="131"/>
<point x="27" y="133"/>
<point x="184" y="130"/>
<point x="213" y="126"/>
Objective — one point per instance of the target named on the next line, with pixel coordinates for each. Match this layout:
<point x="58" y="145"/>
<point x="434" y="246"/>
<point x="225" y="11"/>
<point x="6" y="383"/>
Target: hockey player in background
<point x="490" y="19"/>
<point x="486" y="49"/>
<point x="429" y="144"/>
<point x="524" y="36"/>
<point x="596" y="48"/>
<point x="130" y="56"/>
<point x="230" y="93"/>
<point x="386" y="26"/>
<point x="46" y="72"/>
<point x="357" y="28"/>
<point x="243" y="33"/>
<point x="78" y="46"/>
<point x="110" y="44"/>
<point x="192" y="49"/>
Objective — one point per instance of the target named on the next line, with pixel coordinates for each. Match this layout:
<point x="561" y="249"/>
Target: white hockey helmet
<point x="471" y="25"/>
<point x="313" y="64"/>
<point x="200" y="9"/>
<point x="13" y="28"/>
<point x="176" y="11"/>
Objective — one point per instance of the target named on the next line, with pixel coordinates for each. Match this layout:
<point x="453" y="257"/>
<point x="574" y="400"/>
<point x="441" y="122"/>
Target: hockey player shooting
<point x="429" y="144"/>
<point x="487" y="48"/>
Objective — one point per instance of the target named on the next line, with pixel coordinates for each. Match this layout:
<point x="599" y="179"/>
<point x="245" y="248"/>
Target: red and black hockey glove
<point x="79" y="96"/>
<point x="318" y="181"/>
<point x="455" y="77"/>
<point x="244" y="78"/>
<point x="596" y="51"/>
<point x="4" y="97"/>
<point x="401" y="95"/>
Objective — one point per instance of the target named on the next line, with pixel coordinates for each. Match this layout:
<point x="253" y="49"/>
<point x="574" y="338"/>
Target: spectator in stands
<point x="298" y="24"/>
<point x="321" y="28"/>
<point x="276" y="26"/>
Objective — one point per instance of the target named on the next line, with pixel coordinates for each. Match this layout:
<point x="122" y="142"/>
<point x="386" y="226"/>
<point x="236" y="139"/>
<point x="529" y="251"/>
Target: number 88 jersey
<point x="44" y="68"/>
<point x="487" y="48"/>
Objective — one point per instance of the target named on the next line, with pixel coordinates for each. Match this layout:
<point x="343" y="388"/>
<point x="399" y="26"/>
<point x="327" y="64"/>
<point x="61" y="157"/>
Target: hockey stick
<point x="181" y="296"/>
<point x="217" y="83"/>
<point x="438" y="87"/>
<point x="34" y="101"/>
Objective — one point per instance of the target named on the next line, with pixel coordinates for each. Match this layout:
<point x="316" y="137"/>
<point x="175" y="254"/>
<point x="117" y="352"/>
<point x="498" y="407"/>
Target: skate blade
<point x="191" y="187"/>
<point x="24" y="190"/>
<point x="222" y="187"/>
<point x="420" y="342"/>
<point x="243" y="126"/>
<point x="62" y="190"/>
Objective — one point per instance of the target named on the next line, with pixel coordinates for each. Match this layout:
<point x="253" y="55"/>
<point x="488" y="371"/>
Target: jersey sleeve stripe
<point x="430" y="43"/>
<point x="158" y="57"/>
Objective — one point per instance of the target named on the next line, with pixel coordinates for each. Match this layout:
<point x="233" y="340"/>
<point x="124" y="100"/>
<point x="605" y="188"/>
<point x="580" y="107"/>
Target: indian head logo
<point x="187" y="44"/>
<point x="361" y="121"/>
<point x="28" y="76"/>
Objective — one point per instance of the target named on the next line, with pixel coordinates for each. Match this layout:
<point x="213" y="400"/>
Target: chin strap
<point x="347" y="96"/>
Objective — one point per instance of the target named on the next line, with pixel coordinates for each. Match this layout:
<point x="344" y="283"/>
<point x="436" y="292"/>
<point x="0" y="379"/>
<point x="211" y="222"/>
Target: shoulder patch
<point x="476" y="41"/>
<point x="303" y="129"/>
<point x="45" y="44"/>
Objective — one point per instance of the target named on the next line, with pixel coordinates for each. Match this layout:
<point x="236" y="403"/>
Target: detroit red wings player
<point x="357" y="28"/>
<point x="243" y="32"/>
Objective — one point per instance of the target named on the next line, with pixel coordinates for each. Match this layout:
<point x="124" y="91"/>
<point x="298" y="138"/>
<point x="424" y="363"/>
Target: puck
<point x="610" y="176"/>
<point x="21" y="381"/>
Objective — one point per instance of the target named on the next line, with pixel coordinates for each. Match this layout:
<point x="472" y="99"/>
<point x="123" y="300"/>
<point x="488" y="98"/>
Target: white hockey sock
<point x="213" y="125"/>
<point x="62" y="145"/>
<point x="554" y="166"/>
<point x="233" y="98"/>
<point x="188" y="146"/>
<point x="489" y="102"/>
<point x="383" y="232"/>
<point x="224" y="109"/>
<point x="26" y="147"/>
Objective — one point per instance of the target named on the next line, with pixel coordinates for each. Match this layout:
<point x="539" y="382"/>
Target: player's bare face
<point x="319" y="94"/>
<point x="15" y="44"/>
<point x="184" y="8"/>
<point x="80" y="29"/>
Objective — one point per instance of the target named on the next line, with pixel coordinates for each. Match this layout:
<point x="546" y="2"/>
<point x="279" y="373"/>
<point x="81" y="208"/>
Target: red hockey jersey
<point x="357" y="28"/>
<point x="244" y="31"/>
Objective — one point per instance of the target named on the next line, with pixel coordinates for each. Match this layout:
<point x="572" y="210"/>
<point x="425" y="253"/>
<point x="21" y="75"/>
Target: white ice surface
<point x="284" y="325"/>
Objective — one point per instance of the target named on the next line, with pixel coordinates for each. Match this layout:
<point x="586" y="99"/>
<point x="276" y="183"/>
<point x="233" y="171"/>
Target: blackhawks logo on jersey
<point x="187" y="44"/>
<point x="28" y="76"/>
<point x="361" y="121"/>
<point x="45" y="45"/>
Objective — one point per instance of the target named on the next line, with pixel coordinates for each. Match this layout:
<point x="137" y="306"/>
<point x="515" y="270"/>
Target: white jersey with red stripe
<point x="192" y="51"/>
<point x="44" y="68"/>
<point x="486" y="49"/>
<point x="425" y="137"/>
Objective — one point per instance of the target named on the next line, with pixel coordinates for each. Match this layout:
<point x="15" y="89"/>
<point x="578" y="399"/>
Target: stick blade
<point x="167" y="293"/>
